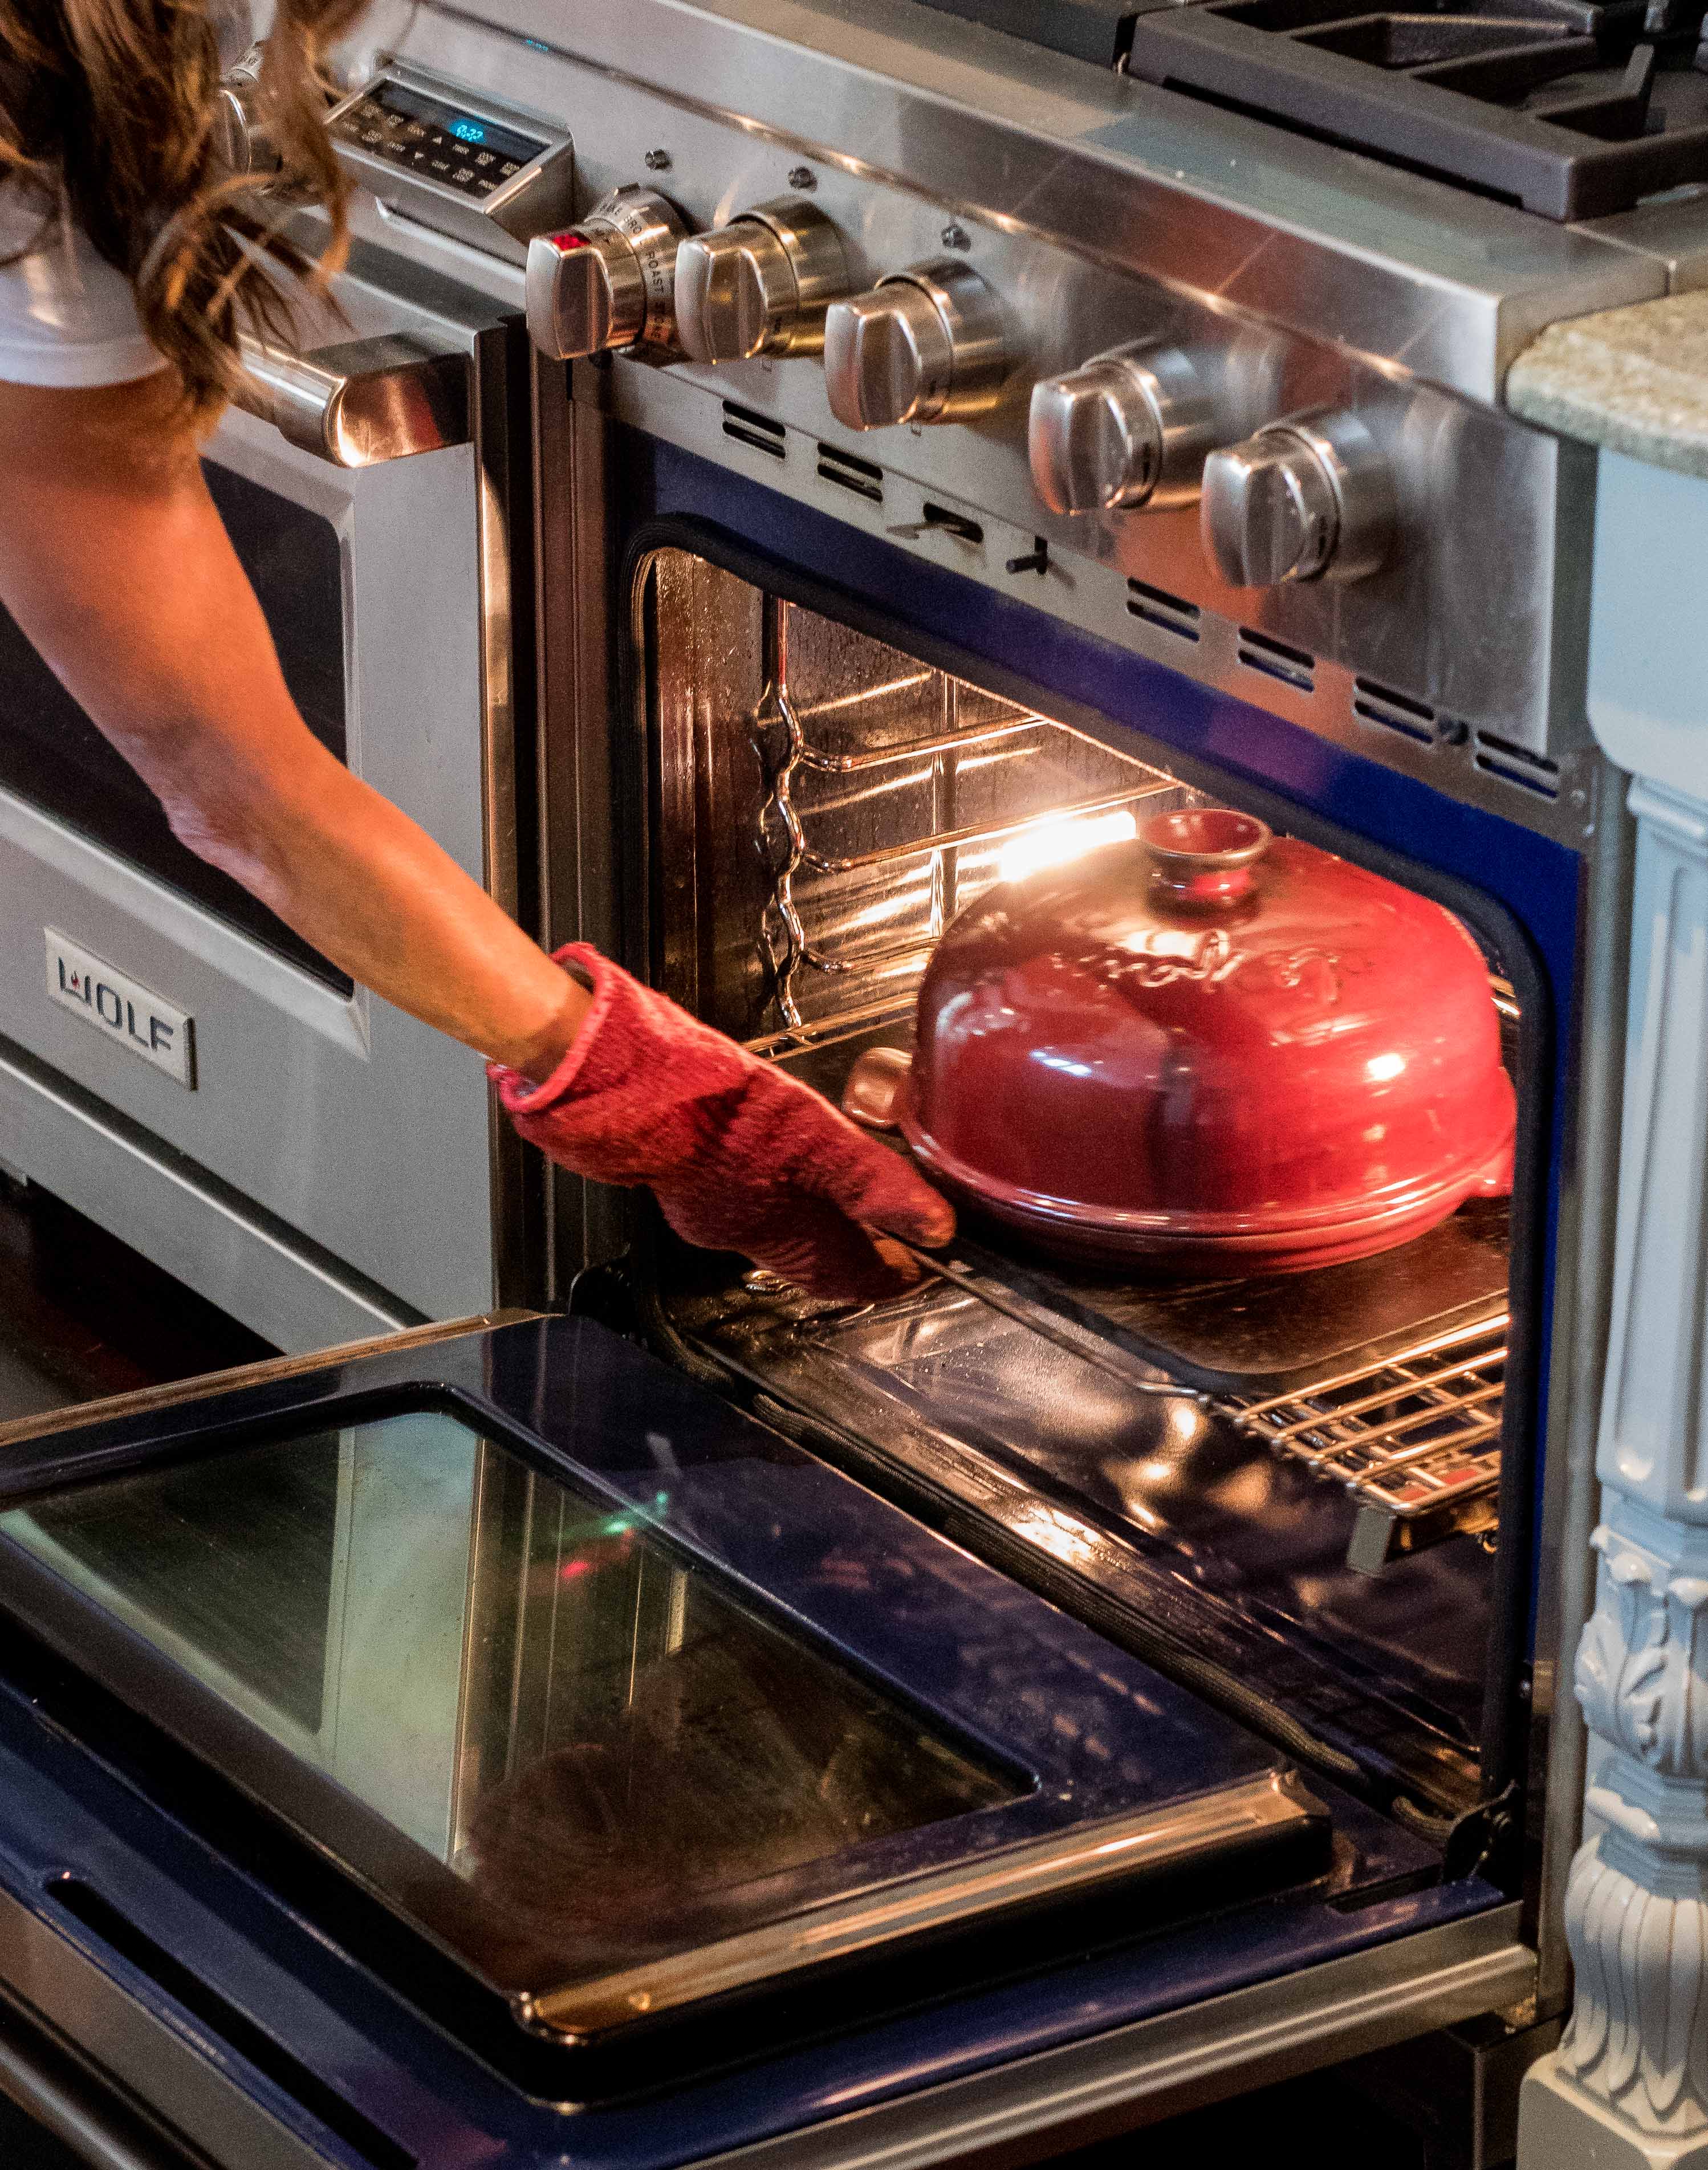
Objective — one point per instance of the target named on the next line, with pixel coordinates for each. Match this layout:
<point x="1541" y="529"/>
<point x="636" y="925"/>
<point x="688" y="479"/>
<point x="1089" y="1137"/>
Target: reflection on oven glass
<point x="584" y="1724"/>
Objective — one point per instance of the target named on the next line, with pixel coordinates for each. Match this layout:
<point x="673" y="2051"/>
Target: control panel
<point x="1045" y="411"/>
<point x="457" y="164"/>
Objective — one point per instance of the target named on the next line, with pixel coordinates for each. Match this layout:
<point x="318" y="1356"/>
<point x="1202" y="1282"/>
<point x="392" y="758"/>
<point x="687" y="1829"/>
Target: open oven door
<point x="403" y="1746"/>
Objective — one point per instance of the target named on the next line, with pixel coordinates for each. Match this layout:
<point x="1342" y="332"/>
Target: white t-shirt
<point x="67" y="317"/>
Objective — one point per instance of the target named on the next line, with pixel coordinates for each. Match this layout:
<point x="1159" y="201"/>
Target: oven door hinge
<point x="1483" y="1841"/>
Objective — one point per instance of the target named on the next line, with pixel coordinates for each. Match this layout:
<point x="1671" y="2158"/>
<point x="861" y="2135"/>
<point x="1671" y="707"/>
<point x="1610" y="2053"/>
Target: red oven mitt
<point x="740" y="1156"/>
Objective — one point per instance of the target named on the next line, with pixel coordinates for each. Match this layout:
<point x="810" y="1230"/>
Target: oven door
<point x="490" y="1743"/>
<point x="177" y="1063"/>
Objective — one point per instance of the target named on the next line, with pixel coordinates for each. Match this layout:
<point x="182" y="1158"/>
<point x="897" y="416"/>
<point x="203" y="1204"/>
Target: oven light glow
<point x="1381" y="1068"/>
<point x="1053" y="843"/>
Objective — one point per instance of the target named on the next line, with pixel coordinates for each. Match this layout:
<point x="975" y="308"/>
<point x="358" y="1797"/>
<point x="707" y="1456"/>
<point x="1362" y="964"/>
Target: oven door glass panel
<point x="637" y="1712"/>
<point x="590" y="1729"/>
<point x="52" y="755"/>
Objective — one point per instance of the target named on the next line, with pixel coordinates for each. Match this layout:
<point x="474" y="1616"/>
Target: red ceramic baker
<point x="1210" y="1049"/>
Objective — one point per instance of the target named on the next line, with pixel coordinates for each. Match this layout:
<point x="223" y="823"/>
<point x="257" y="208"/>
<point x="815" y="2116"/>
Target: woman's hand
<point x="740" y="1157"/>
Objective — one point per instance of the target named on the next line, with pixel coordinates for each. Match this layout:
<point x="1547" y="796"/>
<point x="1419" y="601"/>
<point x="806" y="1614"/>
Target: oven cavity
<point x="1299" y="1472"/>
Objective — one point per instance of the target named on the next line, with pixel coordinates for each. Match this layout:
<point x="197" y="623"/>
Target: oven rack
<point x="1412" y="1432"/>
<point x="1414" y="1436"/>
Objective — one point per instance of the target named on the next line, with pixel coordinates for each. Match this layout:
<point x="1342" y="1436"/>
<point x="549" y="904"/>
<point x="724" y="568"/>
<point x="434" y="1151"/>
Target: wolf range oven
<point x="947" y="455"/>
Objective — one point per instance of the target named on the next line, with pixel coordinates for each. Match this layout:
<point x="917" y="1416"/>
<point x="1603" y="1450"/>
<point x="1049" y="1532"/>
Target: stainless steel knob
<point x="760" y="285"/>
<point x="1130" y="428"/>
<point x="241" y="139"/>
<point x="608" y="283"/>
<point x="925" y="346"/>
<point x="1306" y="499"/>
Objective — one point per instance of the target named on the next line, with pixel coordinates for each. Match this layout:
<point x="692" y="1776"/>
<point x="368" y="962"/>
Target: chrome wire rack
<point x="1414" y="1436"/>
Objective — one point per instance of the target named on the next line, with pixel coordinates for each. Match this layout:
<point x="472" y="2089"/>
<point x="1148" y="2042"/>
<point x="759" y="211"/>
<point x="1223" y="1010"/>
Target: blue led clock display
<point x="468" y="131"/>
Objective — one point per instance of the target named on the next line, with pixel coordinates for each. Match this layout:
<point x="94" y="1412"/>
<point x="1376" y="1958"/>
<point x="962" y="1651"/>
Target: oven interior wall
<point x="823" y="804"/>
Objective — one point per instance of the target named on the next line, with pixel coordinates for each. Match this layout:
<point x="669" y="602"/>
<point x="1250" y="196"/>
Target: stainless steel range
<point x="949" y="449"/>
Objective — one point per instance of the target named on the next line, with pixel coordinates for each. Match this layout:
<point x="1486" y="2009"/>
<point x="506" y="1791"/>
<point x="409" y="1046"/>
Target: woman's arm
<point x="115" y="562"/>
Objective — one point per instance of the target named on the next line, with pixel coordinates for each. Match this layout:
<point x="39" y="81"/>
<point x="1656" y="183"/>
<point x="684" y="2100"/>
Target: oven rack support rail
<point x="778" y="729"/>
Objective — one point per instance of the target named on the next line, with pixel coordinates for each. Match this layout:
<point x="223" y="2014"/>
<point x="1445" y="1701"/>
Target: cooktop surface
<point x="1573" y="109"/>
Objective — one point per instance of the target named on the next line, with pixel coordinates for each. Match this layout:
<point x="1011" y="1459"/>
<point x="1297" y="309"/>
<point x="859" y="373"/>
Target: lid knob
<point x="1202" y="856"/>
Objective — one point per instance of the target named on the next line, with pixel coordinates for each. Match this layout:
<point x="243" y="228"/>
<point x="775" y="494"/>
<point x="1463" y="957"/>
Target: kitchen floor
<point x="83" y="1316"/>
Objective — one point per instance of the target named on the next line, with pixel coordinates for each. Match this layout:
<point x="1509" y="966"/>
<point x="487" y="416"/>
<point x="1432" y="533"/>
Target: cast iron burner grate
<point x="1567" y="107"/>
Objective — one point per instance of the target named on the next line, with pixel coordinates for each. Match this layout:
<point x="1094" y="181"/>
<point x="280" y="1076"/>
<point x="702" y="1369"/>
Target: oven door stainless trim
<point x="91" y="2115"/>
<point x="1083" y="2092"/>
<point x="136" y="2053"/>
<point x="1080" y="1861"/>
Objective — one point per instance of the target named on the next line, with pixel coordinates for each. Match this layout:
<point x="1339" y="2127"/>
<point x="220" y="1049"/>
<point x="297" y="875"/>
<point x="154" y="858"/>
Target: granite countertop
<point x="1635" y="380"/>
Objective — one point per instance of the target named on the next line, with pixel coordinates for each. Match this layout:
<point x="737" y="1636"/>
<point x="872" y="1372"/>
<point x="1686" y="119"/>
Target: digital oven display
<point x="435" y="139"/>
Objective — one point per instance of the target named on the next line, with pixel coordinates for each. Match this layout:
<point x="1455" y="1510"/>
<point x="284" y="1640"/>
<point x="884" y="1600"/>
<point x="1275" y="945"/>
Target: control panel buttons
<point x="1130" y="428"/>
<point x="761" y="285"/>
<point x="608" y="283"/>
<point x="925" y="346"/>
<point x="1307" y="499"/>
<point x="457" y="150"/>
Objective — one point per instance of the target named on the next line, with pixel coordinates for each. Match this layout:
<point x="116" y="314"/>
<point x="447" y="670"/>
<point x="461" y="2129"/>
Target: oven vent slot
<point x="758" y="431"/>
<point x="848" y="471"/>
<point x="1293" y="667"/>
<point x="949" y="522"/>
<point x="1397" y="712"/>
<point x="1517" y="764"/>
<point x="1158" y="607"/>
<point x="1415" y="1436"/>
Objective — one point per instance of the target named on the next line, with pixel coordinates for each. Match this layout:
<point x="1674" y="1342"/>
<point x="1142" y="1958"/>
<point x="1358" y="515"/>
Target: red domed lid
<point x="1212" y="1040"/>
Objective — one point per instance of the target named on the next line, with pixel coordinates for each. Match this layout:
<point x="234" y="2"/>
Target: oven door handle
<point x="363" y="402"/>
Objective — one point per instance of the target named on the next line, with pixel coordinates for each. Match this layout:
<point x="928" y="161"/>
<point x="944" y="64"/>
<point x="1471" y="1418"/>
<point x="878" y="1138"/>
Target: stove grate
<point x="1561" y="106"/>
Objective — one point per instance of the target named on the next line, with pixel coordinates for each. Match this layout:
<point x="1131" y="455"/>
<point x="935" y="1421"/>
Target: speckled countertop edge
<point x="1635" y="380"/>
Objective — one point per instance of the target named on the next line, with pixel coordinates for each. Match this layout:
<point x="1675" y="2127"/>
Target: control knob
<point x="241" y="139"/>
<point x="925" y="345"/>
<point x="608" y="283"/>
<point x="1306" y="499"/>
<point x="1130" y="428"/>
<point x="760" y="285"/>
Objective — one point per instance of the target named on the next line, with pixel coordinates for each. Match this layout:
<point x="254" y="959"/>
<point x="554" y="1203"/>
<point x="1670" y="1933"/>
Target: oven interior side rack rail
<point x="951" y="863"/>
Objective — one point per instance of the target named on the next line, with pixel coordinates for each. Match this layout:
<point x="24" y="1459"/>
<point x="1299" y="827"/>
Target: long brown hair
<point x="110" y="116"/>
